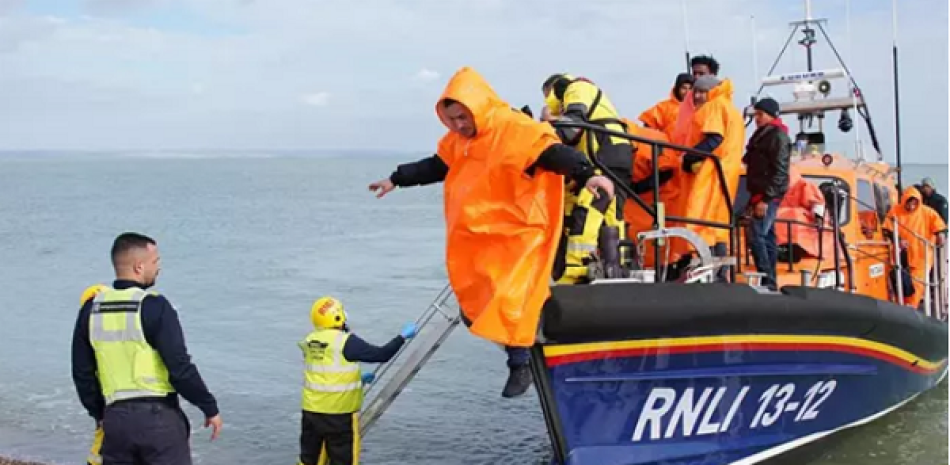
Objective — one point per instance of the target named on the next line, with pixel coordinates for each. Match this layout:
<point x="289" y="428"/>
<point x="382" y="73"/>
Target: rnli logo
<point x="325" y="307"/>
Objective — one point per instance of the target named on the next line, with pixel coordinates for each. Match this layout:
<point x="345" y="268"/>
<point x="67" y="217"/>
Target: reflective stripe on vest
<point x="331" y="382"/>
<point x="127" y="366"/>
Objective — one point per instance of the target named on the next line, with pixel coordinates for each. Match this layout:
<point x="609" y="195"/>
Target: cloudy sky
<point x="316" y="74"/>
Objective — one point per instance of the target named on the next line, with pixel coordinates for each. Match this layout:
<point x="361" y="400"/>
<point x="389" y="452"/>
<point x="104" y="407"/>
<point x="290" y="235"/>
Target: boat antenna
<point x="897" y="103"/>
<point x="755" y="53"/>
<point x="686" y="36"/>
<point x="858" y="147"/>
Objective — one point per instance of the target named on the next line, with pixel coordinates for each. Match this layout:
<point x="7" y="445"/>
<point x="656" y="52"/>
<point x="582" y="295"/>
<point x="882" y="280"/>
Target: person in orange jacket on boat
<point x="503" y="177"/>
<point x="804" y="203"/>
<point x="668" y="162"/>
<point x="663" y="115"/>
<point x="717" y="127"/>
<point x="924" y="222"/>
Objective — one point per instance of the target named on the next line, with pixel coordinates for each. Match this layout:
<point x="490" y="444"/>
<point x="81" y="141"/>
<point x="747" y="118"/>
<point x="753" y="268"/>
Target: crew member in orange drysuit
<point x="638" y="219"/>
<point x="804" y="203"/>
<point x="504" y="211"/>
<point x="926" y="223"/>
<point x="663" y="115"/>
<point x="717" y="126"/>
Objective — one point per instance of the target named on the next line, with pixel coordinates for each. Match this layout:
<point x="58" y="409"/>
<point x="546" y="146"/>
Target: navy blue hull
<point x="719" y="407"/>
<point x="739" y="398"/>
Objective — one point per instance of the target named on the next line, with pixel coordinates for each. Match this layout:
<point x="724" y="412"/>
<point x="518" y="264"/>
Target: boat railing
<point x="809" y="277"/>
<point x="655" y="210"/>
<point x="935" y="299"/>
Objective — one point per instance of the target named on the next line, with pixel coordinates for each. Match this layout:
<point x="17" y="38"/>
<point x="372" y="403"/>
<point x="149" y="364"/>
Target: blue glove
<point x="368" y="378"/>
<point x="409" y="331"/>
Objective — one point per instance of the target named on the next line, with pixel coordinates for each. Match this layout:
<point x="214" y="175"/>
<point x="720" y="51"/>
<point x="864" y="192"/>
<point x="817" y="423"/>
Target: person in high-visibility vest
<point x="333" y="386"/>
<point x="94" y="457"/>
<point x="130" y="362"/>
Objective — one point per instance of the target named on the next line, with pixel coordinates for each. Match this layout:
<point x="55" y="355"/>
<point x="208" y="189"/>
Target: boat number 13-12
<point x="776" y="400"/>
<point x="667" y="411"/>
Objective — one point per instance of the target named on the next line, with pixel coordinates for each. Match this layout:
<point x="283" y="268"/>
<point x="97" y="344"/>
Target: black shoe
<point x="519" y="380"/>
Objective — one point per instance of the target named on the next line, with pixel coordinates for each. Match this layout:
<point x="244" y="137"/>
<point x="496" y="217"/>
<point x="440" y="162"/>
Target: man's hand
<point x="760" y="210"/>
<point x="409" y="331"/>
<point x="940" y="239"/>
<point x="384" y="186"/>
<point x="546" y="115"/>
<point x="216" y="424"/>
<point x="692" y="163"/>
<point x="904" y="243"/>
<point x="367" y="378"/>
<point x="600" y="182"/>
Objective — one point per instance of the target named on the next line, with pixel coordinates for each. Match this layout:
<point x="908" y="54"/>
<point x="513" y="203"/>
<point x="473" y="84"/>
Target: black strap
<point x="593" y="105"/>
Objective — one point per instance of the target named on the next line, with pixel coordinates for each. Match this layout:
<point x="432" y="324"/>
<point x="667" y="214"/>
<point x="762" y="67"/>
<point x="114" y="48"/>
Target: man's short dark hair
<point x="446" y="103"/>
<point x="128" y="241"/>
<point x="707" y="60"/>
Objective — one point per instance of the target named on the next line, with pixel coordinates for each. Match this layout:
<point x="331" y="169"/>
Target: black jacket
<point x="935" y="201"/>
<point x="767" y="159"/>
<point x="557" y="158"/>
<point x="163" y="332"/>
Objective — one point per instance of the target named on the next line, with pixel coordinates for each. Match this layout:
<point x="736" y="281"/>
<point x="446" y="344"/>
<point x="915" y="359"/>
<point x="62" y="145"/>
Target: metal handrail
<point x="932" y="309"/>
<point x="657" y="148"/>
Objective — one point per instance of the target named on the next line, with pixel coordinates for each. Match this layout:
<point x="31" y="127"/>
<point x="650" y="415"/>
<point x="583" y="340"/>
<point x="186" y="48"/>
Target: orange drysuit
<point x="702" y="196"/>
<point x="662" y="116"/>
<point x="803" y="203"/>
<point x="926" y="223"/>
<point x="502" y="226"/>
<point x="638" y="219"/>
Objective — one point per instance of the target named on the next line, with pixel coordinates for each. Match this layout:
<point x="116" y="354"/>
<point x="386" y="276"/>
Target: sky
<point x="347" y="74"/>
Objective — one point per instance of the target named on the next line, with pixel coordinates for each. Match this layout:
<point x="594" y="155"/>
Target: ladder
<point x="435" y="325"/>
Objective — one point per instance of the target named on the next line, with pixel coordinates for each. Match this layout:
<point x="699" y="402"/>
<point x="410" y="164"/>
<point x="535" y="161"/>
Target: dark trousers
<point x="762" y="242"/>
<point x="517" y="356"/>
<point x="145" y="432"/>
<point x="329" y="439"/>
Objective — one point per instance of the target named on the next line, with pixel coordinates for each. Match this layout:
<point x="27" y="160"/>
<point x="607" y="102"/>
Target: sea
<point x="248" y="241"/>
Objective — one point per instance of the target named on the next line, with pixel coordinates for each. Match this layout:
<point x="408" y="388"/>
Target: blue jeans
<point x="763" y="244"/>
<point x="517" y="356"/>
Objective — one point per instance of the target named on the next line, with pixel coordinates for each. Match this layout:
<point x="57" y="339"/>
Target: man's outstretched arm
<point x="429" y="170"/>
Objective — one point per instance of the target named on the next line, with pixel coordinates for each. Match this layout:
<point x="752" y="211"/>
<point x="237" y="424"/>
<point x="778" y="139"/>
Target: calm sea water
<point x="247" y="244"/>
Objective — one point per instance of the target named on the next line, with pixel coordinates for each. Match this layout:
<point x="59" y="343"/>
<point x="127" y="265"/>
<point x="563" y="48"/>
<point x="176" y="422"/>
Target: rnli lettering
<point x="669" y="413"/>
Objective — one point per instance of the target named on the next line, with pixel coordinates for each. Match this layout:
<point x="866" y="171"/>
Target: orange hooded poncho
<point x="702" y="196"/>
<point x="663" y="115"/>
<point x="926" y="223"/>
<point x="637" y="219"/>
<point x="502" y="225"/>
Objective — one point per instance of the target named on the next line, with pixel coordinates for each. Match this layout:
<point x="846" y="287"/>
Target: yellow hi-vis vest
<point x="332" y="383"/>
<point x="128" y="367"/>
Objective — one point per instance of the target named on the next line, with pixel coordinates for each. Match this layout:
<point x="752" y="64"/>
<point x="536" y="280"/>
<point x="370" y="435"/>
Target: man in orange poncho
<point x="504" y="210"/>
<point x="663" y="115"/>
<point x="668" y="162"/>
<point x="717" y="127"/>
<point x="926" y="223"/>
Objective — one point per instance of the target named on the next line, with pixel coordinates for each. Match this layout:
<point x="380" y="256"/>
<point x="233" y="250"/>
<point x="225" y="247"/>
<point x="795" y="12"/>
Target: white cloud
<point x="317" y="99"/>
<point x="427" y="75"/>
